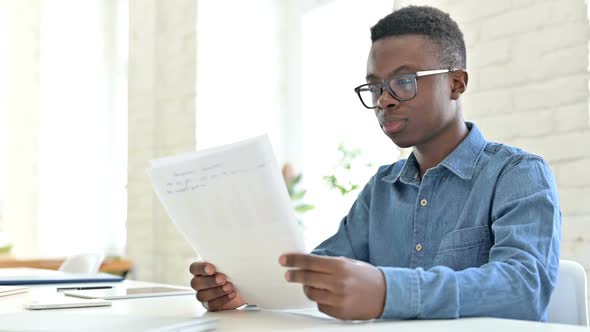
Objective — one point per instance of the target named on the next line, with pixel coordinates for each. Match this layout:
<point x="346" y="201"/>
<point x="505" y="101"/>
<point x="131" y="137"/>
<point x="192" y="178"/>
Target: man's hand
<point x="342" y="287"/>
<point x="213" y="289"/>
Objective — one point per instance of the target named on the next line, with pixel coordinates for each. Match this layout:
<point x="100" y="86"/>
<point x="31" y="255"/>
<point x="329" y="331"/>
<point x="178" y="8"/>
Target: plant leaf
<point x="301" y="208"/>
<point x="298" y="195"/>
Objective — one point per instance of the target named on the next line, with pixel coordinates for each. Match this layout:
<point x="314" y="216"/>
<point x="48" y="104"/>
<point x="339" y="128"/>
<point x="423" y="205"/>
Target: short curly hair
<point x="433" y="23"/>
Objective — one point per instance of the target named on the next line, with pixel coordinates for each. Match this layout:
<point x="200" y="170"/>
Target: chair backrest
<point x="568" y="304"/>
<point x="83" y="263"/>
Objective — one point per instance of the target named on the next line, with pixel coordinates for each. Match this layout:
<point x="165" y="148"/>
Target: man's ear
<point x="459" y="83"/>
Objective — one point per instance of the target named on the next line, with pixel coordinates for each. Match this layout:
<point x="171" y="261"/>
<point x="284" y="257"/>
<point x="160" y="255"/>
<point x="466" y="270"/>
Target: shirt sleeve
<point x="521" y="273"/>
<point x="351" y="239"/>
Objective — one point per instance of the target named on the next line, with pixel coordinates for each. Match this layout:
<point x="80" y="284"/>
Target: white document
<point x="232" y="206"/>
<point x="62" y="302"/>
<point x="11" y="290"/>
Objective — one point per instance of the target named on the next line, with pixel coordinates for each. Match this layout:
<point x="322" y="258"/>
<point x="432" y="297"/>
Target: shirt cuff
<point x="402" y="298"/>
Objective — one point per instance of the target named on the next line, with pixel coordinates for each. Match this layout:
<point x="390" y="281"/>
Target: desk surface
<point x="187" y="307"/>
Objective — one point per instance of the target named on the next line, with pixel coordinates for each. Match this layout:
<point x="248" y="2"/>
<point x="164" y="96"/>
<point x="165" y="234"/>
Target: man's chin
<point x="400" y="141"/>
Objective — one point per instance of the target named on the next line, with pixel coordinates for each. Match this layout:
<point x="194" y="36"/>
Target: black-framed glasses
<point x="401" y="87"/>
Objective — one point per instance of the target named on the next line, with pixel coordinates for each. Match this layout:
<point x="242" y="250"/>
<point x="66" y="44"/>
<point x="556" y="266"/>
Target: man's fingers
<point x="310" y="278"/>
<point x="310" y="262"/>
<point x="330" y="310"/>
<point x="321" y="296"/>
<point x="202" y="269"/>
<point x="211" y="294"/>
<point x="218" y="303"/>
<point x="200" y="283"/>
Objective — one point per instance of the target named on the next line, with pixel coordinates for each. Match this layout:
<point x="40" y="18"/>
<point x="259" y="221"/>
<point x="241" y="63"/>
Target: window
<point x="335" y="45"/>
<point x="238" y="71"/>
<point x="83" y="127"/>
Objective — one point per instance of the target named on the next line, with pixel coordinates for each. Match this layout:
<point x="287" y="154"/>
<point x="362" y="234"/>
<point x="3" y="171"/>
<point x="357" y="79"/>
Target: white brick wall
<point x="162" y="68"/>
<point x="528" y="87"/>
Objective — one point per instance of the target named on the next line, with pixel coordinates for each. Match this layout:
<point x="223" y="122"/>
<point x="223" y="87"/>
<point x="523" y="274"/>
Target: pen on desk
<point x="59" y="289"/>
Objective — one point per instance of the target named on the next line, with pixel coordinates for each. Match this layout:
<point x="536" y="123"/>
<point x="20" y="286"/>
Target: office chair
<point x="568" y="304"/>
<point x="83" y="263"/>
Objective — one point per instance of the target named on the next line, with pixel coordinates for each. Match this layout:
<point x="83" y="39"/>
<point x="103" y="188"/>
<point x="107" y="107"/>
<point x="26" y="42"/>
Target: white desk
<point x="188" y="307"/>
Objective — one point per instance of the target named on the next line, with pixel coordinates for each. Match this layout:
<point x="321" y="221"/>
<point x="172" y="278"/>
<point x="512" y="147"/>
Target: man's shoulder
<point x="502" y="150"/>
<point x="505" y="156"/>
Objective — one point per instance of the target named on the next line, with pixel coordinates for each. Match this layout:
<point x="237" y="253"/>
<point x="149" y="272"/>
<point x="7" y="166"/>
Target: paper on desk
<point x="11" y="290"/>
<point x="232" y="206"/>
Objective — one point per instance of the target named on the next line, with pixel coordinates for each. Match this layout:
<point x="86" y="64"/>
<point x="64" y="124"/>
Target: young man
<point x="463" y="227"/>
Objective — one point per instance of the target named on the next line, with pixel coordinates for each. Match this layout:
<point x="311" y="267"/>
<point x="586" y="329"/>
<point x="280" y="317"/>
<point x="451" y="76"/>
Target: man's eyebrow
<point x="372" y="76"/>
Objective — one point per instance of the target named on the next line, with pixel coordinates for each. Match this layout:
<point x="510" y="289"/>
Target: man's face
<point x="419" y="120"/>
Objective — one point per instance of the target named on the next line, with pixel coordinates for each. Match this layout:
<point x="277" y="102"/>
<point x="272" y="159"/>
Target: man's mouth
<point x="393" y="126"/>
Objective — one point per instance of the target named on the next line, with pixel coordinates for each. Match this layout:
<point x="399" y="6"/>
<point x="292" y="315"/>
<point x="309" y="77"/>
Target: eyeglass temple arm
<point x="433" y="72"/>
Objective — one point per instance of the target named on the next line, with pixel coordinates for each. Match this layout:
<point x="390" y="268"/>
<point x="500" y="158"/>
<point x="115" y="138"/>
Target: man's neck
<point x="433" y="152"/>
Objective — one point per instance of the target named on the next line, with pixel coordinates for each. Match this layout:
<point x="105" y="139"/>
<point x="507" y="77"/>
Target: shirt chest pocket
<point x="464" y="248"/>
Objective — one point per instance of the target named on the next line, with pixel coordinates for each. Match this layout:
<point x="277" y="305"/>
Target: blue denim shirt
<point x="479" y="235"/>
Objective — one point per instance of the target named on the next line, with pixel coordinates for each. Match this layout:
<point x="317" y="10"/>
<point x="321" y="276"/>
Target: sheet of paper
<point x="11" y="290"/>
<point x="232" y="206"/>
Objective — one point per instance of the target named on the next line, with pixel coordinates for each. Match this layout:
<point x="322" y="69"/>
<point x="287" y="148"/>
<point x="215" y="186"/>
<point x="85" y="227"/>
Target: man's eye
<point x="374" y="89"/>
<point x="403" y="82"/>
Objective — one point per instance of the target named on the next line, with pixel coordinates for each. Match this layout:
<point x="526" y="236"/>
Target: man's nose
<point x="386" y="100"/>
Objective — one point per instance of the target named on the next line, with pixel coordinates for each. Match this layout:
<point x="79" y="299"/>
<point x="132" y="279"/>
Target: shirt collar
<point x="461" y="161"/>
<point x="407" y="171"/>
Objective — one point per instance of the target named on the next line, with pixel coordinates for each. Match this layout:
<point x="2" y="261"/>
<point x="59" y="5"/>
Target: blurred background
<point x="92" y="90"/>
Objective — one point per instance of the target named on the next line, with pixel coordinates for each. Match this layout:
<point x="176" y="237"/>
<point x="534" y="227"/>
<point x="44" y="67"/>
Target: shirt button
<point x="418" y="247"/>
<point x="423" y="202"/>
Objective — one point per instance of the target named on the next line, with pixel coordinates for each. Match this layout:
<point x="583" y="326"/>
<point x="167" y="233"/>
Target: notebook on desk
<point x="28" y="276"/>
